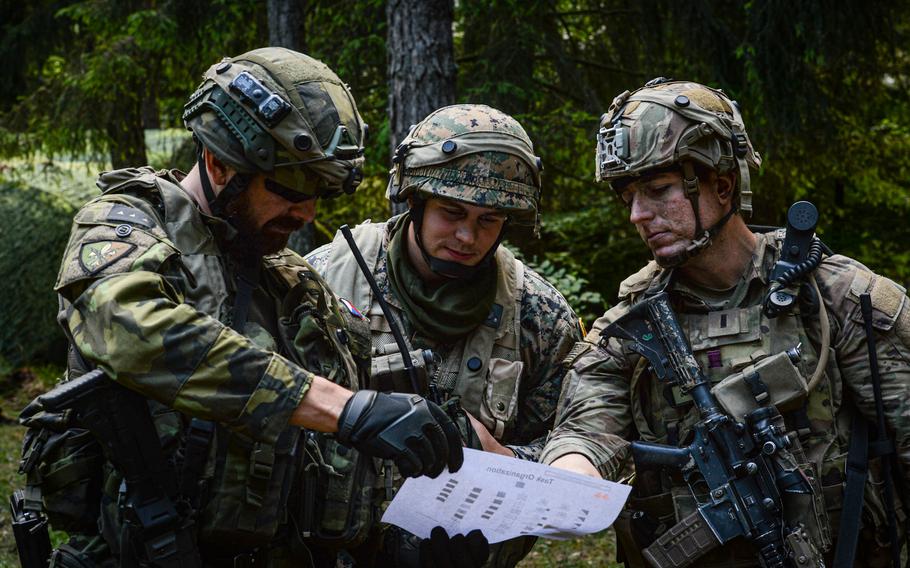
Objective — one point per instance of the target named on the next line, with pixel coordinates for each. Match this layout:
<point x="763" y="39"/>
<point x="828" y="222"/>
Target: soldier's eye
<point x="627" y="196"/>
<point x="492" y="219"/>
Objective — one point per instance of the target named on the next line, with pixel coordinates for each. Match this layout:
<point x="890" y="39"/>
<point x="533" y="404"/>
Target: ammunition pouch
<point x="786" y="387"/>
<point x="335" y="507"/>
<point x="63" y="469"/>
<point x="248" y="501"/>
<point x="389" y="374"/>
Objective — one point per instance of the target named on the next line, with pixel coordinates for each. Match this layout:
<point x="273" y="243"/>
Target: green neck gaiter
<point x="445" y="311"/>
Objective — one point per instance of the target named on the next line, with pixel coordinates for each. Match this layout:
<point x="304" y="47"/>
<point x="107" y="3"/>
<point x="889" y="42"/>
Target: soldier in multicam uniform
<point x="678" y="156"/>
<point x="179" y="287"/>
<point x="493" y="331"/>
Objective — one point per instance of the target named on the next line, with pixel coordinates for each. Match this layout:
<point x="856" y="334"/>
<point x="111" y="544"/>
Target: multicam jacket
<point x="146" y="294"/>
<point x="507" y="373"/>
<point x="610" y="397"/>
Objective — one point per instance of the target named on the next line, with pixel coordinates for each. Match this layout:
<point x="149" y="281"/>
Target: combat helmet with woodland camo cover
<point x="470" y="153"/>
<point x="283" y="113"/>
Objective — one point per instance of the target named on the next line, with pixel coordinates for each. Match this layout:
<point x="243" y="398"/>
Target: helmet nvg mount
<point x="668" y="123"/>
<point x="282" y="113"/>
<point x="470" y="153"/>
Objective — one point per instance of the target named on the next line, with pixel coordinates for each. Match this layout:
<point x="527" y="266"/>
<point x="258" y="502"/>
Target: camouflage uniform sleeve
<point x="842" y="281"/>
<point x="549" y="330"/>
<point x="132" y="322"/>
<point x="594" y="413"/>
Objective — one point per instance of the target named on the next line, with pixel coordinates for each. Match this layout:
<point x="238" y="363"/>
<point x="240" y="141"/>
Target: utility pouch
<point x="786" y="387"/>
<point x="247" y="498"/>
<point x="388" y="373"/>
<point x="31" y="533"/>
<point x="63" y="468"/>
<point x="336" y="506"/>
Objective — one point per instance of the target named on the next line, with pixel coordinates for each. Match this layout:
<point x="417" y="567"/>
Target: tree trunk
<point x="421" y="64"/>
<point x="286" y="29"/>
<point x="286" y="23"/>
<point x="127" y="135"/>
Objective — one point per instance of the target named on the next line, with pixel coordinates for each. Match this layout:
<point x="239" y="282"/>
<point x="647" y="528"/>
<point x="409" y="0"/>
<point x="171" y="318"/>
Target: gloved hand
<point x="459" y="551"/>
<point x="411" y="431"/>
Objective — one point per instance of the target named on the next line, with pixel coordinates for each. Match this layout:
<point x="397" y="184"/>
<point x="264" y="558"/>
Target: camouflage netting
<point x="34" y="226"/>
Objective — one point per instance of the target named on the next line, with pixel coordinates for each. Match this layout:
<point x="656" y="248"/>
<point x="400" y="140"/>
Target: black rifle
<point x="156" y="533"/>
<point x="30" y="531"/>
<point x="733" y="462"/>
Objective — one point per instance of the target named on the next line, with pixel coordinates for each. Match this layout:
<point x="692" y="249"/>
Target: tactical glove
<point x="414" y="433"/>
<point x="460" y="551"/>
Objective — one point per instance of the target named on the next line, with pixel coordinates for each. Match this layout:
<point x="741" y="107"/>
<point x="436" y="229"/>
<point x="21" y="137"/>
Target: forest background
<point x="99" y="84"/>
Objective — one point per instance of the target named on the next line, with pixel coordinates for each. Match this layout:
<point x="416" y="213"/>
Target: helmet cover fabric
<point x="470" y="153"/>
<point x="321" y="131"/>
<point x="660" y="125"/>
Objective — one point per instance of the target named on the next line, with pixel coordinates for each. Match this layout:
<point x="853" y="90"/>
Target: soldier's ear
<point x="219" y="172"/>
<point x="725" y="184"/>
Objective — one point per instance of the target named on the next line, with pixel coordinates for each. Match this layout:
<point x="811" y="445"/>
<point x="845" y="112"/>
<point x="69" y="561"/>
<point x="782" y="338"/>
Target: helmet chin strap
<point x="703" y="237"/>
<point x="217" y="203"/>
<point x="448" y="268"/>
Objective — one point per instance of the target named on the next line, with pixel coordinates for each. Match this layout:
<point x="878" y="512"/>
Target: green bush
<point x="35" y="226"/>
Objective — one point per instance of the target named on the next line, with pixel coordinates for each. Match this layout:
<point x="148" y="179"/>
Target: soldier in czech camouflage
<point x="677" y="155"/>
<point x="179" y="287"/>
<point x="484" y="328"/>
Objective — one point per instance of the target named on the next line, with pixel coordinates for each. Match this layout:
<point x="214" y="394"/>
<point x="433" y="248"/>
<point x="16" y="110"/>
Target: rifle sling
<point x="851" y="514"/>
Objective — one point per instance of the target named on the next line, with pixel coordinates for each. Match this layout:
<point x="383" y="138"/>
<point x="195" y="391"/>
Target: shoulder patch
<point x="96" y="255"/>
<point x="888" y="297"/>
<point x="579" y="349"/>
<point x="131" y="215"/>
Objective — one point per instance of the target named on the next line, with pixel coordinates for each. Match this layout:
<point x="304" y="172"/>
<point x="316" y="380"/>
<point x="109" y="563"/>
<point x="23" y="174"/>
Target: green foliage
<point x="588" y="305"/>
<point x="35" y="229"/>
<point x="829" y="116"/>
<point x="349" y="36"/>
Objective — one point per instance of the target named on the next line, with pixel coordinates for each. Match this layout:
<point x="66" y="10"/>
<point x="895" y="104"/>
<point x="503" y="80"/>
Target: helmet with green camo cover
<point x="470" y="153"/>
<point x="282" y="113"/>
<point x="668" y="124"/>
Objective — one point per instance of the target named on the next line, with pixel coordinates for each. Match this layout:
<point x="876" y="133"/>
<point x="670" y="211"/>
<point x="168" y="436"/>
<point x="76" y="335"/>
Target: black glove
<point x="414" y="433"/>
<point x="460" y="551"/>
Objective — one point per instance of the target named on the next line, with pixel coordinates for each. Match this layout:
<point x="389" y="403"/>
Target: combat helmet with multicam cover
<point x="279" y="112"/>
<point x="471" y="153"/>
<point x="669" y="124"/>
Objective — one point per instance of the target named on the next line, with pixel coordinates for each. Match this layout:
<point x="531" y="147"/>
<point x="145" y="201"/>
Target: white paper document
<point x="506" y="498"/>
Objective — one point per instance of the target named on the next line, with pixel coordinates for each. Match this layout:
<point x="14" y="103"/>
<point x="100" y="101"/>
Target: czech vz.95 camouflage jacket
<point x="147" y="293"/>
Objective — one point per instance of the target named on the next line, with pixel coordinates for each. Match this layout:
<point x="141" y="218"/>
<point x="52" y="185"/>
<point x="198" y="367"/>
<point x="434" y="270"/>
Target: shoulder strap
<point x="851" y="515"/>
<point x="501" y="329"/>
